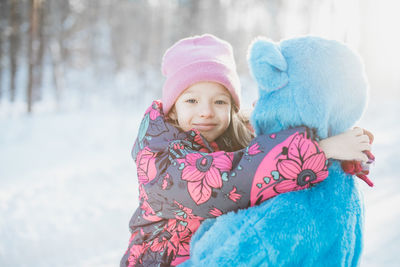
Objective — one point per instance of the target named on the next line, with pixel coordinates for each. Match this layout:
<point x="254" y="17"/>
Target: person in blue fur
<point x="307" y="81"/>
<point x="194" y="162"/>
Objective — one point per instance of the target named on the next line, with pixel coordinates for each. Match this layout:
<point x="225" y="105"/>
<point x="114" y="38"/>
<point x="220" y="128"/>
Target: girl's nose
<point x="206" y="110"/>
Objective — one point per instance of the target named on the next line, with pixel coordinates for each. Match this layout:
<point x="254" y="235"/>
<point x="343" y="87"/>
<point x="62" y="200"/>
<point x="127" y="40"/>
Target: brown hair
<point x="238" y="134"/>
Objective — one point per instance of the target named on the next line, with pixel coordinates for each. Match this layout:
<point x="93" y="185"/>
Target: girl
<point x="196" y="158"/>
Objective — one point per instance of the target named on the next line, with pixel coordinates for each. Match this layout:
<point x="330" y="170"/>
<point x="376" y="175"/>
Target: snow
<point x="382" y="202"/>
<point x="68" y="184"/>
<point x="67" y="188"/>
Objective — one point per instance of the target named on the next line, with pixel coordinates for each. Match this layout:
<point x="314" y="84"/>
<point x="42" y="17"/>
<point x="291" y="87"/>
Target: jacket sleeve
<point x="209" y="184"/>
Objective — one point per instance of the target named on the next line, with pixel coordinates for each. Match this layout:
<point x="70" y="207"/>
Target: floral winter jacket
<point x="183" y="180"/>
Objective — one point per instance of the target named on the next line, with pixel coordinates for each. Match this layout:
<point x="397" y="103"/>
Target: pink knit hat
<point x="198" y="59"/>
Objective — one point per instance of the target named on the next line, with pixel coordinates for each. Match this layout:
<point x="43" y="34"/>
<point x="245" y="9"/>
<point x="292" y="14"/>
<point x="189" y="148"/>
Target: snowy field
<point x="68" y="186"/>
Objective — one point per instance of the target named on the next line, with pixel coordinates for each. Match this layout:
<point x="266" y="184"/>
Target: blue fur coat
<point x="302" y="81"/>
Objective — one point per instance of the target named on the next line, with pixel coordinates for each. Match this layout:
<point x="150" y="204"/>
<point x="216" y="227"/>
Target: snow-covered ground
<point x="68" y="186"/>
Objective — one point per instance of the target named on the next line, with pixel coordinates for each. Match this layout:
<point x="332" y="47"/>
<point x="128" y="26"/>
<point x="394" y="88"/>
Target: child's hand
<point x="349" y="145"/>
<point x="360" y="169"/>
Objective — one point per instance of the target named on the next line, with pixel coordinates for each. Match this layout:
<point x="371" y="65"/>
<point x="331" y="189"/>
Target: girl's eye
<point x="221" y="102"/>
<point x="192" y="101"/>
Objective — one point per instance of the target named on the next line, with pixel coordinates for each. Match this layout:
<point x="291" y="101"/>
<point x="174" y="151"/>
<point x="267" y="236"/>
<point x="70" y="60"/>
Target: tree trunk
<point x="58" y="73"/>
<point x="31" y="50"/>
<point x="1" y="61"/>
<point x="14" y="45"/>
<point x="38" y="67"/>
<point x="3" y="26"/>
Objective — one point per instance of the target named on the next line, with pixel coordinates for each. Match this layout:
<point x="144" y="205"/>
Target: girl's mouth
<point x="204" y="126"/>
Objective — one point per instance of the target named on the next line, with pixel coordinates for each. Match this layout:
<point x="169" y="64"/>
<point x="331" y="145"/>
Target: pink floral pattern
<point x="154" y="110"/>
<point x="146" y="167"/>
<point x="203" y="172"/>
<point x="300" y="167"/>
<point x="304" y="166"/>
<point x="233" y="195"/>
<point x="215" y="212"/>
<point x="300" y="174"/>
<point x="165" y="181"/>
<point x="199" y="139"/>
<point x="254" y="149"/>
<point x="148" y="212"/>
<point x="135" y="254"/>
<point x="179" y="232"/>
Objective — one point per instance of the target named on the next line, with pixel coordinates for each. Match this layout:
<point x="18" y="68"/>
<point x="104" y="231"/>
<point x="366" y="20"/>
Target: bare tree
<point x="14" y="44"/>
<point x="3" y="26"/>
<point x="41" y="43"/>
<point x="58" y="34"/>
<point x="128" y="25"/>
<point x="34" y="6"/>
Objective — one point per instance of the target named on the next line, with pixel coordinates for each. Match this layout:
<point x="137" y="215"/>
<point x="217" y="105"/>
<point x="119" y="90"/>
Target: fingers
<point x="363" y="139"/>
<point x="365" y="146"/>
<point x="360" y="131"/>
<point x="369" y="155"/>
<point x="370" y="135"/>
<point x="357" y="131"/>
<point x="362" y="157"/>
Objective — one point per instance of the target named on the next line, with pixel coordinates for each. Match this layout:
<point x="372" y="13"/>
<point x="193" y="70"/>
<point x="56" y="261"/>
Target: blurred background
<point x="77" y="75"/>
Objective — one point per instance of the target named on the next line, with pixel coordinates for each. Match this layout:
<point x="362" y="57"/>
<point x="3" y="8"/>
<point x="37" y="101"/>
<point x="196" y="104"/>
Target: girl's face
<point x="205" y="106"/>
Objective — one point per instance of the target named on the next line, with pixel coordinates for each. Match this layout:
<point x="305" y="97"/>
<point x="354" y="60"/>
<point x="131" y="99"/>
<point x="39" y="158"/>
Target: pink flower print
<point x="194" y="223"/>
<point x="186" y="214"/>
<point x="197" y="138"/>
<point x="199" y="191"/>
<point x="214" y="146"/>
<point x="172" y="240"/>
<point x="135" y="252"/>
<point x="178" y="146"/>
<point x="145" y="206"/>
<point x="176" y="245"/>
<point x="146" y="166"/>
<point x="312" y="171"/>
<point x="294" y="164"/>
<point x="301" y="148"/>
<point x="165" y="182"/>
<point x="176" y="225"/>
<point x="304" y="165"/>
<point x="187" y="211"/>
<point x="162" y="242"/>
<point x="200" y="140"/>
<point x="131" y="239"/>
<point x="176" y="234"/>
<point x="203" y="172"/>
<point x="159" y="244"/>
<point x="233" y="195"/>
<point x="133" y="236"/>
<point x="149" y="213"/>
<point x="142" y="193"/>
<point x="181" y="242"/>
<point x="154" y="114"/>
<point x="215" y="212"/>
<point x="154" y="110"/>
<point x="254" y="149"/>
<point x="179" y="260"/>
